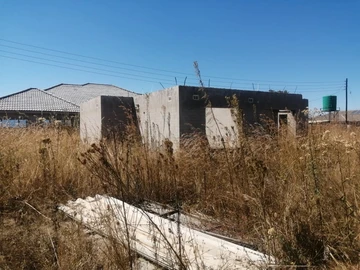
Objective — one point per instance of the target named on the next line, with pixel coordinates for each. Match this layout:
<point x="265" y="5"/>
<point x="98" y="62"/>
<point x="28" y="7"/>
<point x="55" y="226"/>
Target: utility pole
<point x="346" y="101"/>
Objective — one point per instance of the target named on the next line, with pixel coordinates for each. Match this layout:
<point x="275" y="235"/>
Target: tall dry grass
<point x="295" y="198"/>
<point x="38" y="170"/>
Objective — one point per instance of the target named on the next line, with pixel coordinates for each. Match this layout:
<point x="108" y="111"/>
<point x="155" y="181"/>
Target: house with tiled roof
<point x="32" y="103"/>
<point x="58" y="102"/>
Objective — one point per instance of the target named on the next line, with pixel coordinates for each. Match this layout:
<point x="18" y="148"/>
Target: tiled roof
<point x="79" y="93"/>
<point x="59" y="98"/>
<point x="34" y="99"/>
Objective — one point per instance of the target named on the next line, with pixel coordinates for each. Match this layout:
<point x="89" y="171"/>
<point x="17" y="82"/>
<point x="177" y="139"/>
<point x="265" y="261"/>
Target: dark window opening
<point x="195" y="97"/>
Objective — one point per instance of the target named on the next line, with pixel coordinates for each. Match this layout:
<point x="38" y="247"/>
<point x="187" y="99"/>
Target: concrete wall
<point x="221" y="127"/>
<point x="286" y="119"/>
<point x="118" y="117"/>
<point x="107" y="117"/>
<point x="90" y="120"/>
<point x="253" y="104"/>
<point x="158" y="115"/>
<point x="192" y="111"/>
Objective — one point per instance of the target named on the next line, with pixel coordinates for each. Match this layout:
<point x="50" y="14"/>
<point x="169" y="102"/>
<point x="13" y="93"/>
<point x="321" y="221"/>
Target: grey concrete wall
<point x="254" y="105"/>
<point x="192" y="111"/>
<point x="106" y="117"/>
<point x="90" y="120"/>
<point x="158" y="115"/>
<point x="221" y="127"/>
<point x="118" y="117"/>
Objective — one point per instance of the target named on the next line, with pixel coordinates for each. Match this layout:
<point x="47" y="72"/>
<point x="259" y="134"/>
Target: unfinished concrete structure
<point x="179" y="112"/>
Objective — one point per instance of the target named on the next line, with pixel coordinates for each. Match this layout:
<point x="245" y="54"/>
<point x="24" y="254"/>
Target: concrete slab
<point x="160" y="240"/>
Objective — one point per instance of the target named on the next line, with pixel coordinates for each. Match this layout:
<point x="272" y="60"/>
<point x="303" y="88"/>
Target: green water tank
<point x="329" y="103"/>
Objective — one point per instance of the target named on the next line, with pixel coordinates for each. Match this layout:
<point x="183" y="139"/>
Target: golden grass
<point x="295" y="198"/>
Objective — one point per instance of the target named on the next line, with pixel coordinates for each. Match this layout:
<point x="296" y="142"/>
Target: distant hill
<point x="338" y="116"/>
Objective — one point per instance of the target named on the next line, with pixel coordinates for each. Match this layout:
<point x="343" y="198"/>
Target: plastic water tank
<point x="329" y="103"/>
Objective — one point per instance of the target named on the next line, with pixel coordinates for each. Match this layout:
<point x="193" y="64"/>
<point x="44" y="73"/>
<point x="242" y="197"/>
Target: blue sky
<point x="307" y="47"/>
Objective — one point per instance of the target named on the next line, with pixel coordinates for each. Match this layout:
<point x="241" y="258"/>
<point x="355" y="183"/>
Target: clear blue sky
<point x="271" y="44"/>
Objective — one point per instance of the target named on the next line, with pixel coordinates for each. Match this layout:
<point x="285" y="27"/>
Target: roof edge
<point x="60" y="84"/>
<point x="22" y="91"/>
<point x="106" y="84"/>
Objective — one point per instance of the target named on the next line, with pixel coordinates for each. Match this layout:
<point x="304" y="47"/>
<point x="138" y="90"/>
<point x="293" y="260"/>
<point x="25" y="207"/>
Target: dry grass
<point x="38" y="170"/>
<point x="295" y="198"/>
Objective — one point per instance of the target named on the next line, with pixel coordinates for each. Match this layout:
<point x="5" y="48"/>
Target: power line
<point x="82" y="70"/>
<point x="316" y="91"/>
<point x="110" y="66"/>
<point x="302" y="88"/>
<point x="112" y="75"/>
<point x="274" y="87"/>
<point x="334" y="93"/>
<point x="83" y="61"/>
<point x="163" y="70"/>
<point x="81" y="66"/>
<point x="299" y="89"/>
<point x="90" y="57"/>
<point x="93" y="72"/>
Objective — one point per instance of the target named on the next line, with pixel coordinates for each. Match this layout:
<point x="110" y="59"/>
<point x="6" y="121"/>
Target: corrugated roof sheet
<point x="34" y="99"/>
<point x="77" y="93"/>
